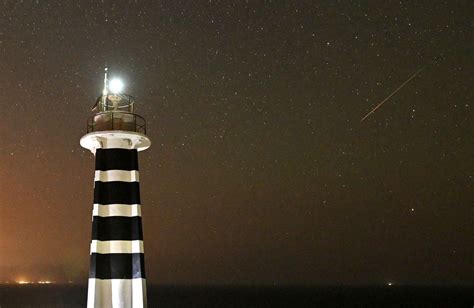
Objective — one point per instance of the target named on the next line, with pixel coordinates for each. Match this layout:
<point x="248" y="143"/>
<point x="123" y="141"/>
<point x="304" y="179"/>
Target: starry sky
<point x="260" y="170"/>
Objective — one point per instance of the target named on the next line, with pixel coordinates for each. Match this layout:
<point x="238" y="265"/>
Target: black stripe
<point x="117" y="266"/>
<point x="116" y="159"/>
<point x="117" y="228"/>
<point x="116" y="192"/>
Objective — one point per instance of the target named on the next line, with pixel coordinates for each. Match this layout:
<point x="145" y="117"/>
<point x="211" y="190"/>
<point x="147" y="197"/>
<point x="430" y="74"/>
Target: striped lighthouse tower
<point x="115" y="134"/>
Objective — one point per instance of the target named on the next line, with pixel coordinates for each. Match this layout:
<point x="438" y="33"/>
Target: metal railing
<point x="115" y="102"/>
<point x="116" y="120"/>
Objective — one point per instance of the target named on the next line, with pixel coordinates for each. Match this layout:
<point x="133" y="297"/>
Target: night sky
<point x="260" y="170"/>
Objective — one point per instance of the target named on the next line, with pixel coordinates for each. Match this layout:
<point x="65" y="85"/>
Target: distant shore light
<point x="23" y="282"/>
<point x="44" y="282"/>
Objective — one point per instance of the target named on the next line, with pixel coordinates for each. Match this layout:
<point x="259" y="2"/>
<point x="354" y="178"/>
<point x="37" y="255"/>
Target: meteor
<point x="392" y="94"/>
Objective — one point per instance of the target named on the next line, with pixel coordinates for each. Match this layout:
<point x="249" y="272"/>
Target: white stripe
<point x="116" y="293"/>
<point x="116" y="175"/>
<point x="116" y="246"/>
<point x="107" y="210"/>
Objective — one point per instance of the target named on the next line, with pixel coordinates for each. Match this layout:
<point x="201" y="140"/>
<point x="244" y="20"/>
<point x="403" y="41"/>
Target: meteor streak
<point x="392" y="94"/>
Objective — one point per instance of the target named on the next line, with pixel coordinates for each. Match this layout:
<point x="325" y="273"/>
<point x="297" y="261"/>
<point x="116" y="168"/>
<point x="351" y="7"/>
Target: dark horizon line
<point x="249" y="286"/>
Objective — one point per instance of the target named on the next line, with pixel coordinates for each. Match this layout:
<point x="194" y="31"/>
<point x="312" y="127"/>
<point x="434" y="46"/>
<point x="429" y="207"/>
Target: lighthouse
<point x="115" y="135"/>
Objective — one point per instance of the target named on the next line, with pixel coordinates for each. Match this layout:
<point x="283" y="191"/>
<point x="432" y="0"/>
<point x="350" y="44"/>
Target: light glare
<point x="116" y="86"/>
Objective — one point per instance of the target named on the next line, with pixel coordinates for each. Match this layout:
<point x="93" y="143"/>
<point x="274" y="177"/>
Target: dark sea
<point x="71" y="296"/>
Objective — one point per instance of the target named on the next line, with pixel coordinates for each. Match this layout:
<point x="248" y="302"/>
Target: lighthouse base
<point x="117" y="293"/>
